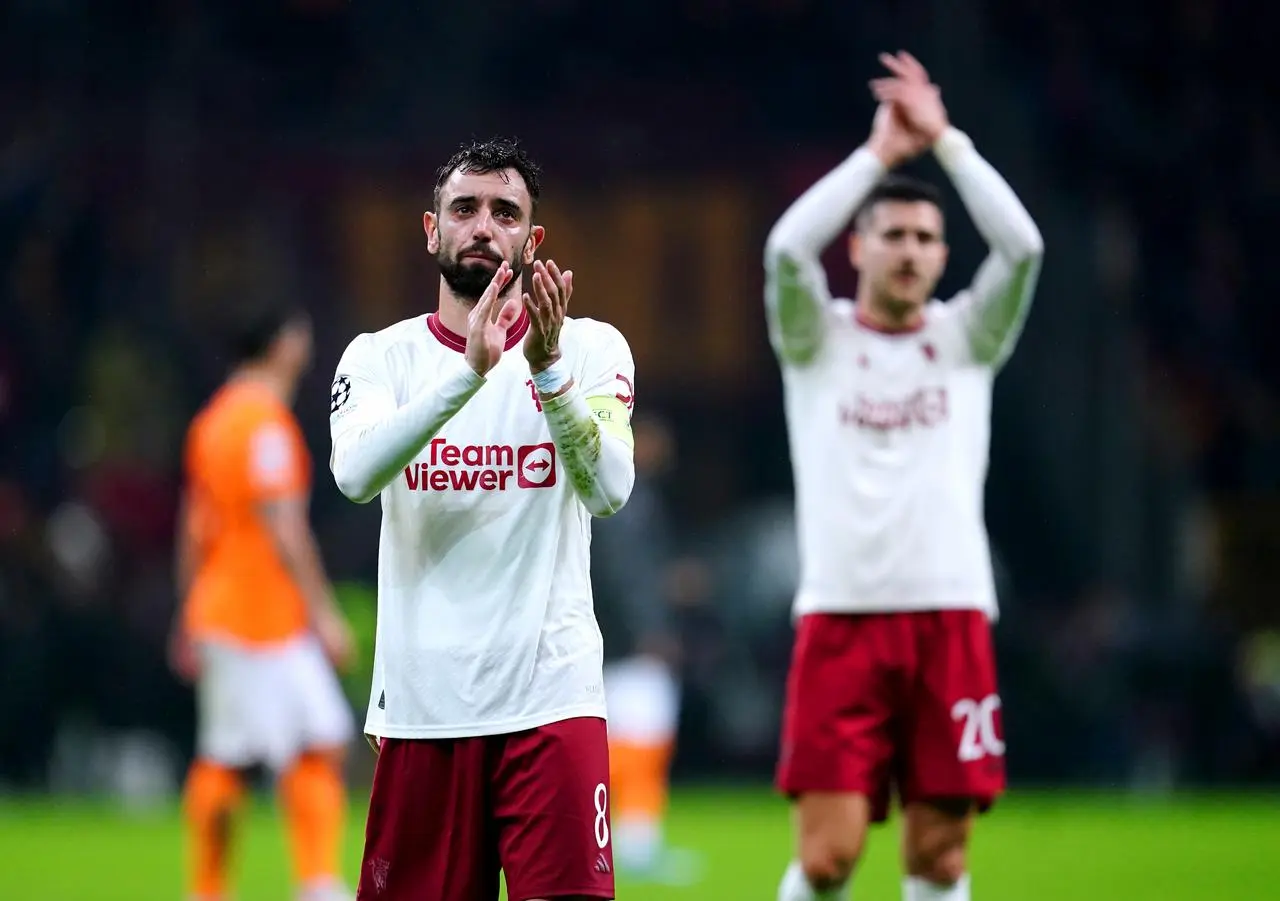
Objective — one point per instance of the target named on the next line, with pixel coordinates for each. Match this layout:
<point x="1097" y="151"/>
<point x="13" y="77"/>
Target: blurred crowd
<point x="160" y="156"/>
<point x="1165" y="123"/>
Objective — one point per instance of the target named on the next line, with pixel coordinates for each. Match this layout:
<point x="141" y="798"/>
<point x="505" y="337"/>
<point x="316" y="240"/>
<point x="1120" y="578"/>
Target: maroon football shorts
<point x="904" y="701"/>
<point x="447" y="814"/>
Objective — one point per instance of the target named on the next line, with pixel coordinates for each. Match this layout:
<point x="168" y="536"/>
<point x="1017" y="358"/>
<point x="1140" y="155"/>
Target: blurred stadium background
<point x="158" y="156"/>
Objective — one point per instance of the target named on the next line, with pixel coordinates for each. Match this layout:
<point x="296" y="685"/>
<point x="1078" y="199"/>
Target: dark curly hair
<point x="493" y="155"/>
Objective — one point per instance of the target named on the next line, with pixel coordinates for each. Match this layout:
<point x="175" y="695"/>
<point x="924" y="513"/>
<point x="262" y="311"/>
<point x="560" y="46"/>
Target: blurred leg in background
<point x="644" y="706"/>
<point x="638" y="580"/>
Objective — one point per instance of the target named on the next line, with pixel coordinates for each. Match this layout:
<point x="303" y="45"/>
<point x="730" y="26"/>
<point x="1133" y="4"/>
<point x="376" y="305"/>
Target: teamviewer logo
<point x="536" y="465"/>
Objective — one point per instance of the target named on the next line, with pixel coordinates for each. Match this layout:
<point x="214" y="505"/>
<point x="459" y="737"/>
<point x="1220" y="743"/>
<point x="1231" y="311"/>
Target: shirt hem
<point x="828" y="605"/>
<point x="261" y="645"/>
<point x="503" y="727"/>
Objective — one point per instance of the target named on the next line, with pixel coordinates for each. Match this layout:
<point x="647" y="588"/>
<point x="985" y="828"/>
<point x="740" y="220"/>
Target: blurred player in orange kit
<point x="258" y="618"/>
<point x="888" y="402"/>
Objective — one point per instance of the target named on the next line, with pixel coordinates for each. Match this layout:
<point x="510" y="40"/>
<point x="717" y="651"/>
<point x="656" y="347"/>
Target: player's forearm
<point x="995" y="209"/>
<point x="821" y="213"/>
<point x="286" y="520"/>
<point x="795" y="286"/>
<point x="1005" y="285"/>
<point x="366" y="459"/>
<point x="302" y="557"/>
<point x="595" y="449"/>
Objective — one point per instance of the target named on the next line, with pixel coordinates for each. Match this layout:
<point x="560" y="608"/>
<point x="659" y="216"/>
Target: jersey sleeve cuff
<point x="865" y="156"/>
<point x="951" y="147"/>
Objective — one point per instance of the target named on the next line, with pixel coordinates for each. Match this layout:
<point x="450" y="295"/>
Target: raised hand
<point x="892" y="138"/>
<point x="547" y="305"/>
<point x="489" y="321"/>
<point x="916" y="100"/>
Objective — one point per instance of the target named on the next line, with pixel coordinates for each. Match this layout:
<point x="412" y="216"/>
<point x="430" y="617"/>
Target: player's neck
<point x="453" y="310"/>
<point x="263" y="375"/>
<point x="888" y="318"/>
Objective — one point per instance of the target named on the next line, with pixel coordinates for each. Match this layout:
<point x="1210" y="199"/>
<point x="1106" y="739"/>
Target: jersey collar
<point x="864" y="322"/>
<point x="454" y="341"/>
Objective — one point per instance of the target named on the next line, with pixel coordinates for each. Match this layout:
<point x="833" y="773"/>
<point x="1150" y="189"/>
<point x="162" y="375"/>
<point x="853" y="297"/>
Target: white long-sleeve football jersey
<point x="890" y="433"/>
<point x="485" y="618"/>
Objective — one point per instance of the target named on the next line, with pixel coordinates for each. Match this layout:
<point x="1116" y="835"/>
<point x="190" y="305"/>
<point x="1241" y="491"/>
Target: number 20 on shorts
<point x="978" y="738"/>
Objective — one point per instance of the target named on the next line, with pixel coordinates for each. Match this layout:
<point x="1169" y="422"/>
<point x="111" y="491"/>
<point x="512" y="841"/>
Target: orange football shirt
<point x="244" y="449"/>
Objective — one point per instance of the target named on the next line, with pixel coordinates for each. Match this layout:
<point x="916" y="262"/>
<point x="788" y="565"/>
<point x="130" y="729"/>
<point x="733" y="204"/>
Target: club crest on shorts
<point x="379" y="870"/>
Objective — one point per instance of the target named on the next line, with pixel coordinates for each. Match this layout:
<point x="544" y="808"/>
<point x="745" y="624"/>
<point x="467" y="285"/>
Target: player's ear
<point x="536" y="236"/>
<point x="855" y="249"/>
<point x="430" y="226"/>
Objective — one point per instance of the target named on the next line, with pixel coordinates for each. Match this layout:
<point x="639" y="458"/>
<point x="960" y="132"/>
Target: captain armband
<point x="613" y="417"/>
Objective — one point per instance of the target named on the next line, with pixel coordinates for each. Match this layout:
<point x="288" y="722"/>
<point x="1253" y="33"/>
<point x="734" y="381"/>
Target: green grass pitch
<point x="1042" y="846"/>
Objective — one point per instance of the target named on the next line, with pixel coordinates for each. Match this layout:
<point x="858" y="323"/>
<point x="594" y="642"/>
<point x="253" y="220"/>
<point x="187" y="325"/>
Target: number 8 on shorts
<point x="602" y="816"/>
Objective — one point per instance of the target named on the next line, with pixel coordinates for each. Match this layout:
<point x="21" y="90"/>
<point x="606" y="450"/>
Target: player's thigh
<point x="551" y="803"/>
<point x="955" y="736"/>
<point x="323" y="714"/>
<point x="839" y="723"/>
<point x="429" y="832"/>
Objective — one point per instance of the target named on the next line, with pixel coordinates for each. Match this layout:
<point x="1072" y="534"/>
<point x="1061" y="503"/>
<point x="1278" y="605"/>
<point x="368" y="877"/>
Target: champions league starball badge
<point x="339" y="393"/>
